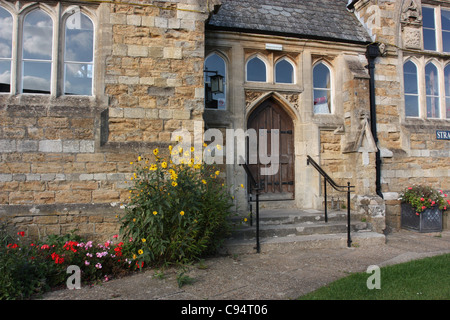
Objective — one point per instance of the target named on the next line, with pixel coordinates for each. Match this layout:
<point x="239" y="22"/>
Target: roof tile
<point x="321" y="19"/>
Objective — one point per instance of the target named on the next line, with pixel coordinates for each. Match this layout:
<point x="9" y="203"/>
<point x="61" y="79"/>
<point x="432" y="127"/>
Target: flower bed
<point x="32" y="268"/>
<point x="176" y="213"/>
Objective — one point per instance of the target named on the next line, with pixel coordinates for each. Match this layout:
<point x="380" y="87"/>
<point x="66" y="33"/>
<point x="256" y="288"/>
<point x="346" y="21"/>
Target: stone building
<point x="362" y="87"/>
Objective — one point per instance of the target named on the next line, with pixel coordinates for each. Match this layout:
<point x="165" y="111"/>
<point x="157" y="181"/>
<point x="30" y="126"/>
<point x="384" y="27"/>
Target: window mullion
<point x="438" y="29"/>
<point x="16" y="49"/>
<point x="55" y="88"/>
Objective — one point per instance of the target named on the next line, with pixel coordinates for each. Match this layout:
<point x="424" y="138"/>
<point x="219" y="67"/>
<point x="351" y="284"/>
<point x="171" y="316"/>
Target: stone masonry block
<point x="161" y="22"/>
<point x="87" y="146"/>
<point x="7" y="145"/>
<point x="50" y="146"/>
<point x="71" y="146"/>
<point x="27" y="146"/>
<point x="116" y="112"/>
<point x="165" y="114"/>
<point x="134" y="20"/>
<point x="135" y="113"/>
<point x="148" y="21"/>
<point x="137" y="51"/>
<point x="172" y="53"/>
<point x="182" y="115"/>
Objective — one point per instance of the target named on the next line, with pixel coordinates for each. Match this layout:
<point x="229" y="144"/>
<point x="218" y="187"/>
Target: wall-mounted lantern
<point x="216" y="82"/>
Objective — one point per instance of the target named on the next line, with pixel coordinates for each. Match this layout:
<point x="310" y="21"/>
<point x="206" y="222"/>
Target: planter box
<point x="430" y="220"/>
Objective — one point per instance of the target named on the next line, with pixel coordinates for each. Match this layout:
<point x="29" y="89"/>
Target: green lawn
<point x="425" y="279"/>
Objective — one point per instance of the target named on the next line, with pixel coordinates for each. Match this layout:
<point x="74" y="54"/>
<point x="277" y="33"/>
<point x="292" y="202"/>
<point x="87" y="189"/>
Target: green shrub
<point x="176" y="213"/>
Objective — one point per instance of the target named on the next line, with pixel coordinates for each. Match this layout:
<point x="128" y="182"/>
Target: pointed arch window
<point x="284" y="72"/>
<point x="37" y="46"/>
<point x="432" y="90"/>
<point x="322" y="88"/>
<point x="411" y="89"/>
<point x="215" y="65"/>
<point x="6" y="25"/>
<point x="78" y="55"/>
<point x="256" y="70"/>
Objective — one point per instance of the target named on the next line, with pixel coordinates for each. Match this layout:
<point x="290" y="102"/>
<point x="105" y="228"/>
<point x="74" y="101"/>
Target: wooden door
<point x="270" y="115"/>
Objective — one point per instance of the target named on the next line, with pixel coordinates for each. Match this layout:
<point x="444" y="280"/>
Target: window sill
<point x="266" y="86"/>
<point x="429" y="123"/>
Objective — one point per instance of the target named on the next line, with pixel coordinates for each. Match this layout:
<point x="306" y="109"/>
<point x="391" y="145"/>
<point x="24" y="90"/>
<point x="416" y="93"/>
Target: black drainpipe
<point x="372" y="53"/>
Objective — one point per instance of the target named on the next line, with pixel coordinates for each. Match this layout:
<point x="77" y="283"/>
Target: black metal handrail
<point x="254" y="186"/>
<point x="347" y="189"/>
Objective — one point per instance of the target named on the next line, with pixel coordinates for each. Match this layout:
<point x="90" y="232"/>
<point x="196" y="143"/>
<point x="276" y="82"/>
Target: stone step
<point x="284" y="228"/>
<point x="289" y="216"/>
<point x="297" y="229"/>
<point x="314" y="241"/>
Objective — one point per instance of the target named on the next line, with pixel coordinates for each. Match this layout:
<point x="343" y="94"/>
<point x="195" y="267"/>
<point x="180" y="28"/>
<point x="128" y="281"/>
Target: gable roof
<point x="316" y="19"/>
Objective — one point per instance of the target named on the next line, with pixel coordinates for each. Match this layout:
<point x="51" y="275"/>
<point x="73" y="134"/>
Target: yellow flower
<point x="164" y="165"/>
<point x="217" y="172"/>
<point x="140" y="251"/>
<point x="182" y="213"/>
<point x="170" y="148"/>
<point x="245" y="219"/>
<point x="242" y="186"/>
<point x="198" y="166"/>
<point x="134" y="220"/>
<point x="134" y="256"/>
<point x="143" y="240"/>
<point x="153" y="167"/>
<point x="204" y="144"/>
<point x="174" y="183"/>
<point x="156" y="151"/>
<point x="192" y="149"/>
<point x="219" y="147"/>
<point x="131" y="162"/>
<point x="155" y="213"/>
<point x="203" y="181"/>
<point x="139" y="158"/>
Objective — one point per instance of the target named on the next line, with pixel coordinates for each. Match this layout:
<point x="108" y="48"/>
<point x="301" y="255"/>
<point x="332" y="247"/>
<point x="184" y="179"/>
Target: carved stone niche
<point x="411" y="13"/>
<point x="411" y="20"/>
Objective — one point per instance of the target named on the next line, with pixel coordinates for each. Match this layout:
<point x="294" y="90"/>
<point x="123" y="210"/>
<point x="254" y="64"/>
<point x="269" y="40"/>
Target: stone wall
<point x="65" y="160"/>
<point x="410" y="152"/>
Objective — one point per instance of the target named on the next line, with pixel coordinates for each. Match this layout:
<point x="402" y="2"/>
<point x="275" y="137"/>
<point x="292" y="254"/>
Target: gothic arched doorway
<point x="280" y="184"/>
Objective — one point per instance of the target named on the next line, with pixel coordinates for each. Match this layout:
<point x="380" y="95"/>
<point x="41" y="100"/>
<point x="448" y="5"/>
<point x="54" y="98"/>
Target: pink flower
<point x="115" y="236"/>
<point x="410" y="188"/>
<point x="98" y="265"/>
<point x="87" y="263"/>
<point x="422" y="199"/>
<point x="423" y="207"/>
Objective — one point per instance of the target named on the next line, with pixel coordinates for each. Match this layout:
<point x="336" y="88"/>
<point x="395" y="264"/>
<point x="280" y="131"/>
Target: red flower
<point x="12" y="245"/>
<point x="70" y="246"/>
<point x="57" y="258"/>
<point x="422" y="199"/>
<point x="21" y="233"/>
